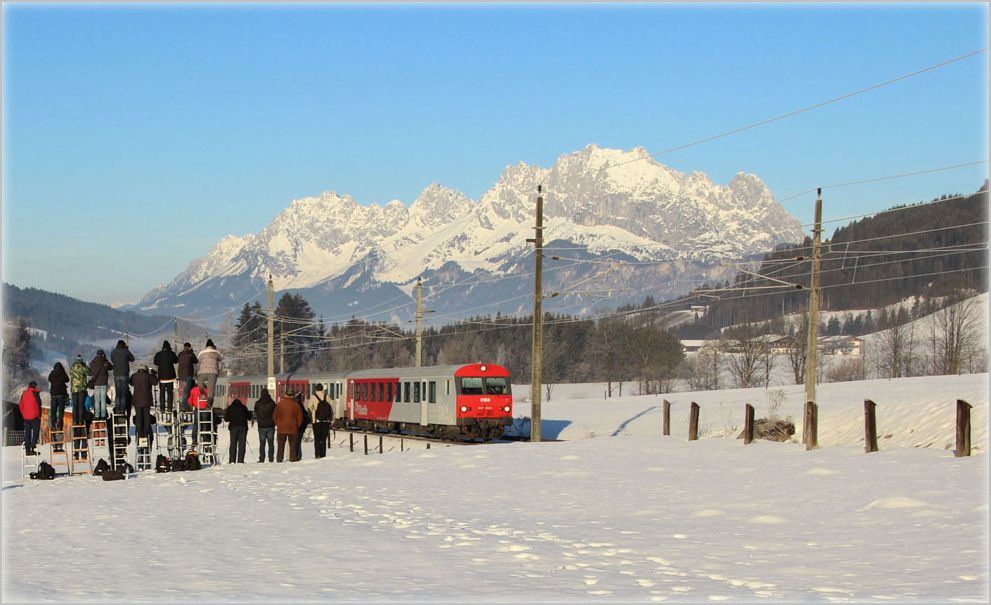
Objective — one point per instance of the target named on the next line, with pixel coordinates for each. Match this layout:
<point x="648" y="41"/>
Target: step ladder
<point x="59" y="452"/>
<point x="176" y="423"/>
<point x="29" y="463"/>
<point x="82" y="461"/>
<point x="206" y="440"/>
<point x="119" y="436"/>
<point x="99" y="433"/>
<point x="143" y="454"/>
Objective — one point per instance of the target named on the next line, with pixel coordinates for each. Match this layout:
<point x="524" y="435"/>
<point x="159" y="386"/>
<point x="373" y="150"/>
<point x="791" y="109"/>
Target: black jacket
<point x="99" y="370"/>
<point x="165" y="360"/>
<point x="142" y="381"/>
<point x="236" y="415"/>
<point x="59" y="380"/>
<point x="122" y="358"/>
<point x="264" y="411"/>
<point x="187" y="360"/>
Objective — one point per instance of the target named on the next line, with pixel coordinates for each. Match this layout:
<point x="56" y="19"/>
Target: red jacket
<point x="30" y="404"/>
<point x="198" y="398"/>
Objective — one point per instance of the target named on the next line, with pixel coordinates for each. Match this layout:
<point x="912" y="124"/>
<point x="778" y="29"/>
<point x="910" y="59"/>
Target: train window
<point x="416" y="392"/>
<point x="447" y="387"/>
<point x="496" y="385"/>
<point x="406" y="392"/>
<point x="388" y="391"/>
<point x="471" y="386"/>
<point x="382" y="392"/>
<point x="432" y="392"/>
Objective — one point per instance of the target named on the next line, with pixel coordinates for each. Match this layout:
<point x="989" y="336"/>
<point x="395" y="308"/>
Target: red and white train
<point x="465" y="402"/>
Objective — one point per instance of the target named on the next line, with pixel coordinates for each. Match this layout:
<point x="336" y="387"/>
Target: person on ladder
<point x="30" y="407"/>
<point x="58" y="378"/>
<point x="165" y="360"/>
<point x="122" y="358"/>
<point x="143" y="381"/>
<point x="198" y="400"/>
<point x="79" y="374"/>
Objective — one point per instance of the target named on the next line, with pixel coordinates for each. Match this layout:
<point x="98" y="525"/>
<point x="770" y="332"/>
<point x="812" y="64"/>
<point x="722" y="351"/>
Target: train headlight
<point x="464" y="408"/>
<point x="506" y="409"/>
<point x="483" y="368"/>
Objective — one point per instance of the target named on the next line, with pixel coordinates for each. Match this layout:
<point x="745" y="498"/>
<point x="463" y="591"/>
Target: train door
<point x="421" y="391"/>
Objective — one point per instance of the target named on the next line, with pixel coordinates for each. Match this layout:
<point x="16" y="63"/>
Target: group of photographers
<point x="196" y="378"/>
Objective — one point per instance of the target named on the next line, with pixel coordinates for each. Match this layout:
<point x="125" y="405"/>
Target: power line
<point x="808" y="108"/>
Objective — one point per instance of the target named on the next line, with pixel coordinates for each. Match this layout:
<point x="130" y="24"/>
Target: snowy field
<point x="613" y="513"/>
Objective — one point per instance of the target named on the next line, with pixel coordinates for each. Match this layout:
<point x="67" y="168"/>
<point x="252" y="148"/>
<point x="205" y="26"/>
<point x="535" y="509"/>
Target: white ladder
<point x="206" y="441"/>
<point x="119" y="438"/>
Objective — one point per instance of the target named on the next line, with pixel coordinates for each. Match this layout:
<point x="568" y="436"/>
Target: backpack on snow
<point x="163" y="464"/>
<point x="193" y="461"/>
<point x="45" y="471"/>
<point x="178" y="465"/>
<point x="115" y="474"/>
<point x="101" y="467"/>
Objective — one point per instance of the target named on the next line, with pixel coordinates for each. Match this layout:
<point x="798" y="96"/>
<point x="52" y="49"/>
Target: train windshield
<point x="496" y="385"/>
<point x="493" y="385"/>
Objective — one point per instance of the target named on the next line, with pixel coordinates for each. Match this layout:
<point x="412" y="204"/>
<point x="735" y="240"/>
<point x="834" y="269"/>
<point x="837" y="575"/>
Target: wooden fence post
<point x="380" y="444"/>
<point x="667" y="419"/>
<point x="748" y="425"/>
<point x="811" y="436"/>
<point x="693" y="423"/>
<point x="351" y="436"/>
<point x="870" y="426"/>
<point x="963" y="429"/>
<point x="366" y="444"/>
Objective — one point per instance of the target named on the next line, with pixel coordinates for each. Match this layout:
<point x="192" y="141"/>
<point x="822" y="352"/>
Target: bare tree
<point x="798" y="351"/>
<point x="896" y="351"/>
<point x="954" y="336"/>
<point x="747" y="354"/>
<point x="702" y="370"/>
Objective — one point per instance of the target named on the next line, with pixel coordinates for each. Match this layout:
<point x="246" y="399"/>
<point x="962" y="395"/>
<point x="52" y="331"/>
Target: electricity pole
<point x="810" y="355"/>
<point x="282" y="346"/>
<point x="419" y="322"/>
<point x="271" y="336"/>
<point x="538" y="259"/>
<point x="175" y="333"/>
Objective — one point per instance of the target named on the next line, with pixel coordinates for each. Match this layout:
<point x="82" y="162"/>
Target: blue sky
<point x="135" y="137"/>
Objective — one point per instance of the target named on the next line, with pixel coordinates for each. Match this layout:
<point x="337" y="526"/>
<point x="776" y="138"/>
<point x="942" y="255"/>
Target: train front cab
<point x="484" y="400"/>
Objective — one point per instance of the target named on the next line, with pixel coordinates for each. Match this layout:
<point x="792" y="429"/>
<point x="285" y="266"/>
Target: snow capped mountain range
<point x="353" y="259"/>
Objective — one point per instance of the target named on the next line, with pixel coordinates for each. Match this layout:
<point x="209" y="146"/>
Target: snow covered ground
<point x="615" y="513"/>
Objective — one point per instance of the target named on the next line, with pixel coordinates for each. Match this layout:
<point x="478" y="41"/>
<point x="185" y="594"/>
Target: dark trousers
<point x="121" y="389"/>
<point x="56" y="412"/>
<point x="266" y="436"/>
<point x="31" y="430"/>
<point x="321" y="430"/>
<point x="292" y="438"/>
<point x="166" y="395"/>
<point x="239" y="441"/>
<point x="142" y="421"/>
<point x="298" y="448"/>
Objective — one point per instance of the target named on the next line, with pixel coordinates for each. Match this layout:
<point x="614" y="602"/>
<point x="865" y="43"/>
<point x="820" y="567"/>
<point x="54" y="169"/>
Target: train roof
<point x="422" y="372"/>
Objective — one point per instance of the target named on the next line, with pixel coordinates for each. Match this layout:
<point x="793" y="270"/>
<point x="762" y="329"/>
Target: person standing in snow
<point x="30" y="407"/>
<point x="165" y="361"/>
<point x="142" y="381"/>
<point x="264" y="415"/>
<point x="305" y="415"/>
<point x="186" y="370"/>
<point x="100" y="368"/>
<point x="322" y="414"/>
<point x="288" y="418"/>
<point x="236" y="416"/>
<point x="121" y="357"/>
<point x="209" y="359"/>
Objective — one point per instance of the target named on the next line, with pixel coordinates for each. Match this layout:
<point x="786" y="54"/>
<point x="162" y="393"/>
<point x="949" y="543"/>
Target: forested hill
<point x="69" y="321"/>
<point x="928" y="250"/>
